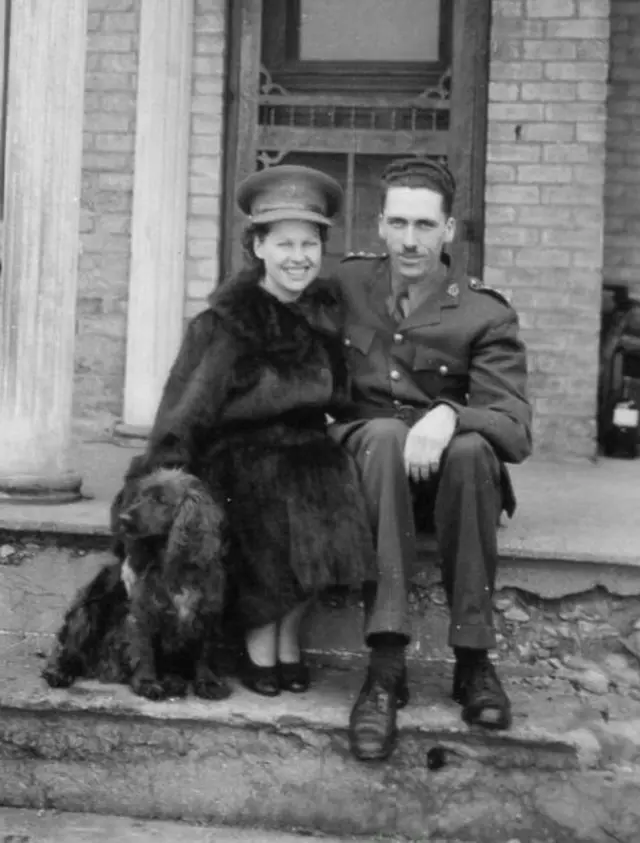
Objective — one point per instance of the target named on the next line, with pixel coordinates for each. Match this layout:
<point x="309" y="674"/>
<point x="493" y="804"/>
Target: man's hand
<point x="427" y="440"/>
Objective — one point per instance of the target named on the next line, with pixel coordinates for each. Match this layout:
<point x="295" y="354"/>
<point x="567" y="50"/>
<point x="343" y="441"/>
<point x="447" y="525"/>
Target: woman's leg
<point x="293" y="672"/>
<point x="261" y="644"/>
<point x="289" y="634"/>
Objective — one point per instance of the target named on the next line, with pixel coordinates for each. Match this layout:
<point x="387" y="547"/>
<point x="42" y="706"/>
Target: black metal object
<point x="619" y="380"/>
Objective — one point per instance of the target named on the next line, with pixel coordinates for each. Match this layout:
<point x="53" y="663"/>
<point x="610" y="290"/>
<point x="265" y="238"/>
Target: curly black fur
<point x="163" y="632"/>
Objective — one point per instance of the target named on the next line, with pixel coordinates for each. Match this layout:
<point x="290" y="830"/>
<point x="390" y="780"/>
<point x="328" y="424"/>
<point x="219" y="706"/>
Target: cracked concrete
<point x="284" y="763"/>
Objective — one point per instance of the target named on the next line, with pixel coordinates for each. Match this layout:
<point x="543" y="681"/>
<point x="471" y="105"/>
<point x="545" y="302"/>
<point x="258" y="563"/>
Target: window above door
<point x="356" y="45"/>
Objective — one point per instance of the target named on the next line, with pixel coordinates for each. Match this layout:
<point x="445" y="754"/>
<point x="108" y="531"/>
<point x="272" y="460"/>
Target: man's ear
<point x="450" y="230"/>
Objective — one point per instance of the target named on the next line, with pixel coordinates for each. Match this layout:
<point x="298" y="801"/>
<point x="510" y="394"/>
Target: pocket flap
<point x="428" y="360"/>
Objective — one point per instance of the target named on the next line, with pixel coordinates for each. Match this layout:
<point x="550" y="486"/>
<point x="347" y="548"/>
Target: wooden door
<point x="346" y="87"/>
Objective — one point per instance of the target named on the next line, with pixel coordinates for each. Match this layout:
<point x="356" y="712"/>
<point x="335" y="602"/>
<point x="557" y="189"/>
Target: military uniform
<point x="458" y="346"/>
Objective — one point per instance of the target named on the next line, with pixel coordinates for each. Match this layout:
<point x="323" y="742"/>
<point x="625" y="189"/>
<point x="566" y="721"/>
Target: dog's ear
<point x="196" y="539"/>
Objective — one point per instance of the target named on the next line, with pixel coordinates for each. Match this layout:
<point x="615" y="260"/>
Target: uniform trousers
<point x="465" y="500"/>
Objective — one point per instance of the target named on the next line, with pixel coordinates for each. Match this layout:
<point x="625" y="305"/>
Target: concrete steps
<point x="568" y="768"/>
<point x="30" y="826"/>
<point x="284" y="763"/>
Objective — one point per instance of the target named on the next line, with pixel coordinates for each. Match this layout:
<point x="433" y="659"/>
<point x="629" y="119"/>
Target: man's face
<point x="415" y="227"/>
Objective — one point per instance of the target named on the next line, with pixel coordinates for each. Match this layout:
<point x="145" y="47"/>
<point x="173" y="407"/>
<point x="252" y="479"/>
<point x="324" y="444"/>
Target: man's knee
<point x="384" y="437"/>
<point x="471" y="450"/>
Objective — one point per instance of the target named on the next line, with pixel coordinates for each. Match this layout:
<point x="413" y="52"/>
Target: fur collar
<point x="251" y="314"/>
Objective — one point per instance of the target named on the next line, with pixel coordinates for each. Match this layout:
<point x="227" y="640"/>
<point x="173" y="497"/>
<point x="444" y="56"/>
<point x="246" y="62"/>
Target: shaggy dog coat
<point x="245" y="410"/>
<point x="162" y="632"/>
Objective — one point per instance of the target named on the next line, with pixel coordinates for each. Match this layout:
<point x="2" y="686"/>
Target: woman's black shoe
<point x="294" y="677"/>
<point x="260" y="680"/>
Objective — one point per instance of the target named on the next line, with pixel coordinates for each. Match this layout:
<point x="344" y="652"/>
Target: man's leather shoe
<point x="477" y="688"/>
<point x="373" y="723"/>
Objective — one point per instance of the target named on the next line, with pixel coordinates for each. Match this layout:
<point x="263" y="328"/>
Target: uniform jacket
<point x="459" y="346"/>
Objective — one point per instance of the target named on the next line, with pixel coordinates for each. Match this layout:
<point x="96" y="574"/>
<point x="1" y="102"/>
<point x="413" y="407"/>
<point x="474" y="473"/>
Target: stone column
<point x="40" y="259"/>
<point x="157" y="280"/>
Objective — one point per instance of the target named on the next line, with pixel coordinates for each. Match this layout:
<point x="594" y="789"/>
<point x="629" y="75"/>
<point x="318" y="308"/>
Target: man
<point x="440" y="394"/>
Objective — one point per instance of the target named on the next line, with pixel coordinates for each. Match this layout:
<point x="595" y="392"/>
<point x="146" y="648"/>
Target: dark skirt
<point x="297" y="517"/>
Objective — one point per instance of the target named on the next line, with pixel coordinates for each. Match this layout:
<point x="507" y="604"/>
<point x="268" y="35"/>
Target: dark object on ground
<point x="436" y="758"/>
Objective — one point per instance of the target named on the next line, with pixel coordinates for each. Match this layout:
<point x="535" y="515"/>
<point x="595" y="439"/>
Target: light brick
<point x="506" y="235"/>
<point x="551" y="8"/>
<point x="543" y="257"/>
<point x="593" y="8"/>
<point x="576" y="195"/>
<point x="111" y="5"/>
<point x="591" y="132"/>
<point x="109" y="43"/>
<point x="577" y="71"/>
<point x="500" y="173"/>
<point x="544" y="174"/>
<point x="504" y="92"/>
<point x="550" y="50"/>
<point x="592" y="91"/>
<point x="575" y="112"/>
<point x="516" y="112"/>
<point x="565" y="153"/>
<point x="516" y="71"/>
<point x="548" y="91"/>
<point x="514" y="153"/>
<point x="541" y="132"/>
<point x="513" y="194"/>
<point x="578" y="29"/>
<point x="125" y="22"/>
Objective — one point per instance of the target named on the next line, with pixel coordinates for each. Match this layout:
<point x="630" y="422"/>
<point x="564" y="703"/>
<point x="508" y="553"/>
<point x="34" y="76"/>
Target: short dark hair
<point x="418" y="171"/>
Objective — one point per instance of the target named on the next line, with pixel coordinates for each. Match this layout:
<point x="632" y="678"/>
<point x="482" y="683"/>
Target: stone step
<point x="284" y="763"/>
<point x="30" y="826"/>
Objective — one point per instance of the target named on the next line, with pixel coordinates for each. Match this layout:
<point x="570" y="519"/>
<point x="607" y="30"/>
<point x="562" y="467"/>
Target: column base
<point x="131" y="435"/>
<point x="40" y="488"/>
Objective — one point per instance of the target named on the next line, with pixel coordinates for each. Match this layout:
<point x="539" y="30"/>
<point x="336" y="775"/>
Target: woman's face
<point x="292" y="255"/>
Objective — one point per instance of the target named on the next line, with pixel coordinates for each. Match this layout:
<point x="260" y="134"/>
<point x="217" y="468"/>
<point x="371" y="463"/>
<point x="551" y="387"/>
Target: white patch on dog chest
<point x="185" y="603"/>
<point x="128" y="576"/>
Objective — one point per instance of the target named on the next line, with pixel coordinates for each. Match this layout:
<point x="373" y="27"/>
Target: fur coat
<point x="244" y="409"/>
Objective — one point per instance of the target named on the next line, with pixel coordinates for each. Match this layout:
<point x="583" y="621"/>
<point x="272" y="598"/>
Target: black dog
<point x="153" y="619"/>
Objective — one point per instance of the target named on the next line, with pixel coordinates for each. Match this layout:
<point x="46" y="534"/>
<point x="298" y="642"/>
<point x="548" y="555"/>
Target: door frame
<point x="467" y="130"/>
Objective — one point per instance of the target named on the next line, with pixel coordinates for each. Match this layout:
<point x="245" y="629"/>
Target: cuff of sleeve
<point x="454" y="406"/>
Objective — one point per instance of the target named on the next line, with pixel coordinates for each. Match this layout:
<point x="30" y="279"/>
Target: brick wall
<point x="622" y="186"/>
<point x="205" y="185"/>
<point x="107" y="193"/>
<point x="106" y="200"/>
<point x="544" y="205"/>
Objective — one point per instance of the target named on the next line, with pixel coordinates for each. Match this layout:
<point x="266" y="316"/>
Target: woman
<point x="245" y="409"/>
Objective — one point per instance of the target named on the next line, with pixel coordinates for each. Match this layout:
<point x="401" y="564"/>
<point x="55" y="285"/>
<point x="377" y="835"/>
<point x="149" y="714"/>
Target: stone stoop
<point x="284" y="763"/>
<point x="570" y="763"/>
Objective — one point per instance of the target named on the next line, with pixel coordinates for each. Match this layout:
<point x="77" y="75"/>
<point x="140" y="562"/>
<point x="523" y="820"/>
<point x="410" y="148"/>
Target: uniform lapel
<point x="429" y="311"/>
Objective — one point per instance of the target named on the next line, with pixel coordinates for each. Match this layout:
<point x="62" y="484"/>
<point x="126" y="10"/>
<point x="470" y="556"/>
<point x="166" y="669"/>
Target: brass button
<point x="398" y="338"/>
<point x="347" y="341"/>
<point x="444" y="370"/>
<point x="397" y="403"/>
<point x="395" y="375"/>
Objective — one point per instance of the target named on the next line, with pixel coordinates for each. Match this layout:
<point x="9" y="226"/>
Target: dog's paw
<point x="211" y="687"/>
<point x="148" y="687"/>
<point x="175" y="686"/>
<point x="55" y="677"/>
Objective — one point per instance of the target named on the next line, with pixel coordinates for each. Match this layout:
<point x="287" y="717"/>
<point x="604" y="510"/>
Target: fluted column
<point x="156" y="286"/>
<point x="40" y="254"/>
